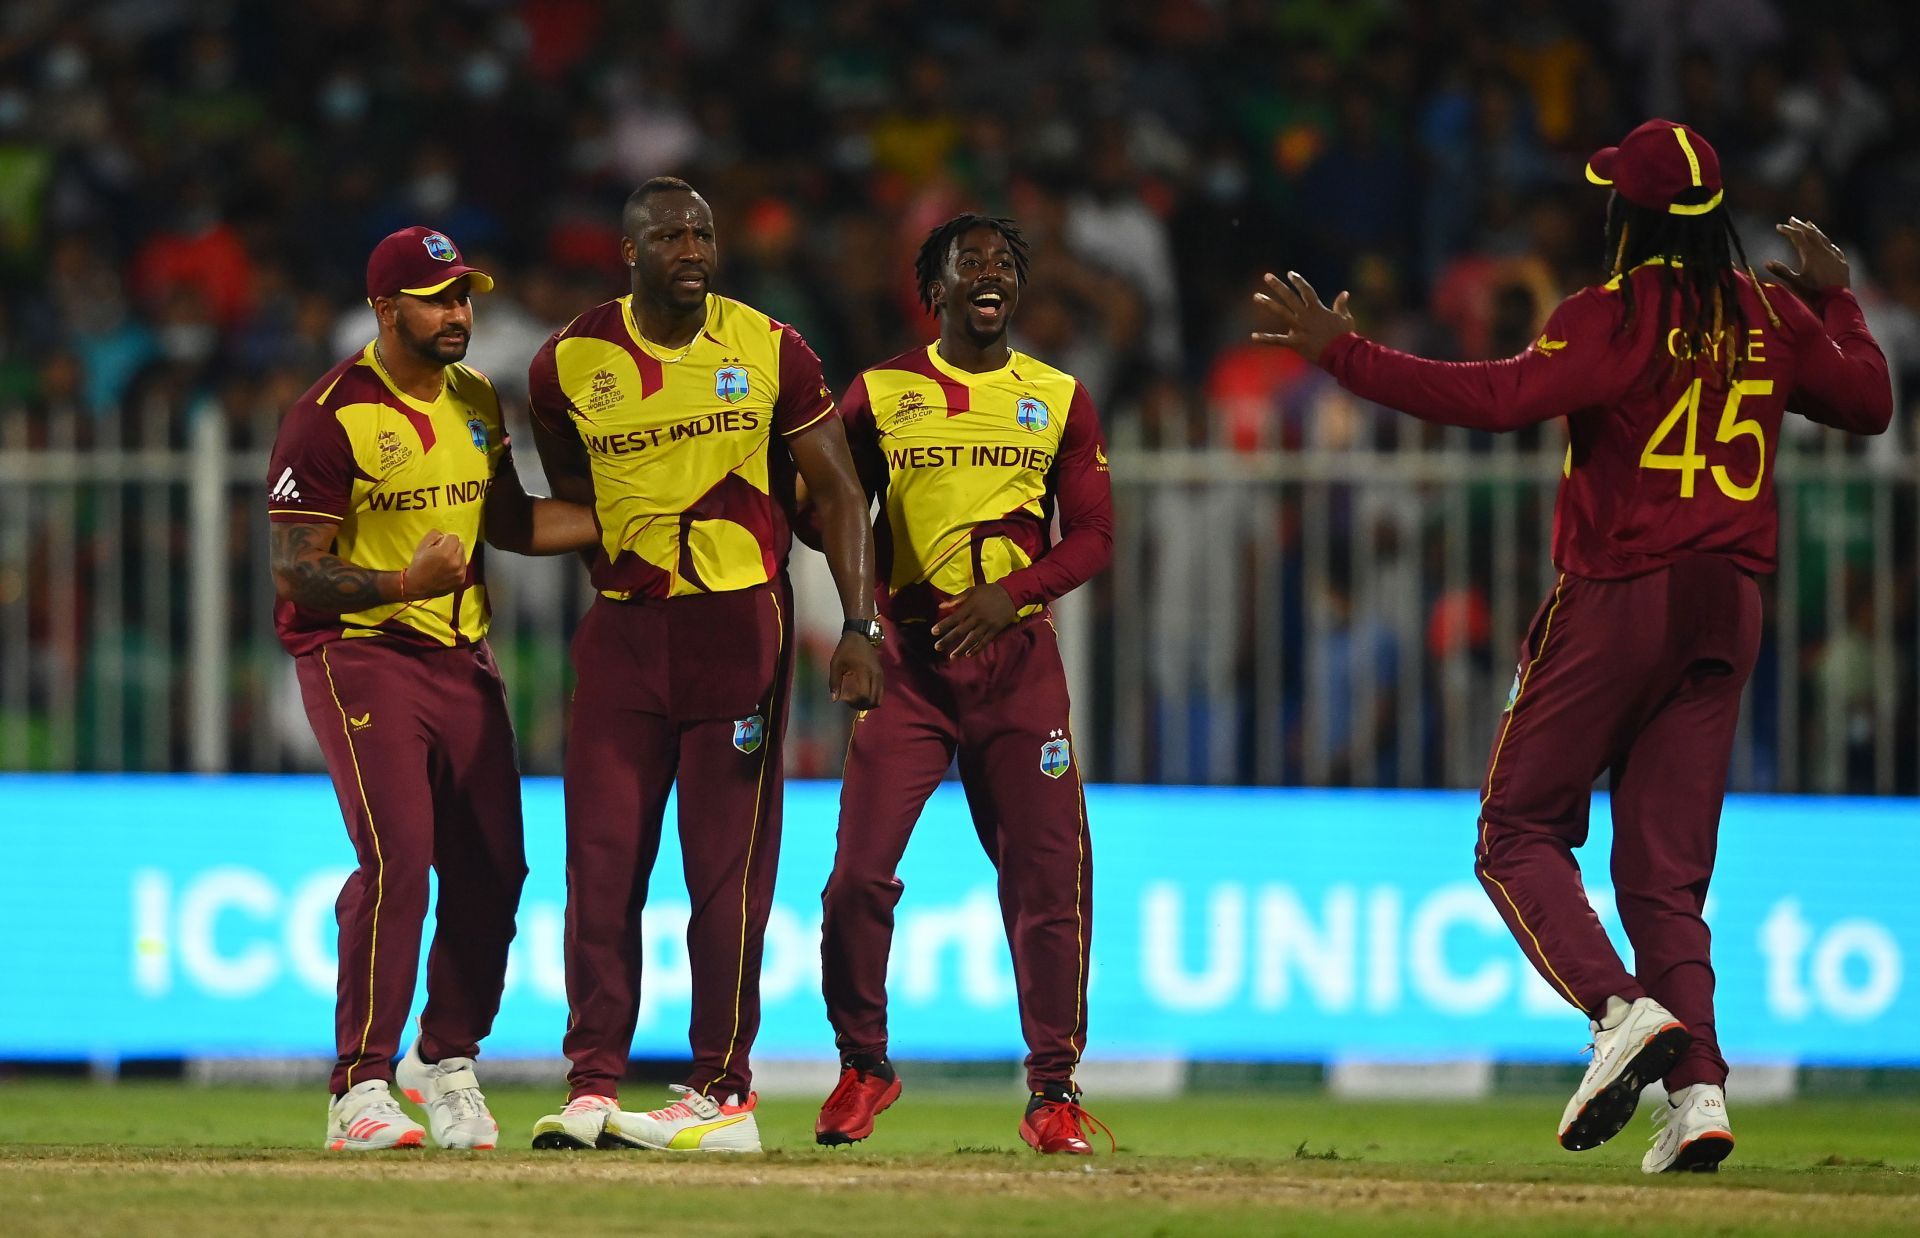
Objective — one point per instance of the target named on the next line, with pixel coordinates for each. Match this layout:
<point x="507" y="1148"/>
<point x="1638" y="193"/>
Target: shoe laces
<point x="691" y="1106"/>
<point x="1066" y="1118"/>
<point x="586" y="1104"/>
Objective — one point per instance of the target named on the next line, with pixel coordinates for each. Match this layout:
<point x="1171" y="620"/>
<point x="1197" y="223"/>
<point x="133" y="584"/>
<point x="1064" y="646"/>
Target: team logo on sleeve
<point x="439" y="247"/>
<point x="1056" y="755"/>
<point x="730" y="383"/>
<point x="1031" y="413"/>
<point x="285" y="488"/>
<point x="477" y="431"/>
<point x="750" y="733"/>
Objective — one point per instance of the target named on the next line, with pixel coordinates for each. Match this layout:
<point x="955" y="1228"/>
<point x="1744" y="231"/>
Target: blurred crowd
<point x="189" y="189"/>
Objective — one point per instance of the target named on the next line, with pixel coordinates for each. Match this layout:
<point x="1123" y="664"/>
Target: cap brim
<point x="1600" y="167"/>
<point x="482" y="282"/>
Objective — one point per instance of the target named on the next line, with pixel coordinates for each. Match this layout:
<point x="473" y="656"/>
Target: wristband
<point x="403" y="584"/>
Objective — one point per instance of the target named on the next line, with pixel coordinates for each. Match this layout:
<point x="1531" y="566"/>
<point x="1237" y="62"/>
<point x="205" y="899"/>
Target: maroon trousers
<point x="1004" y="711"/>
<point x="692" y="689"/>
<point x="420" y="747"/>
<point x="1640" y="678"/>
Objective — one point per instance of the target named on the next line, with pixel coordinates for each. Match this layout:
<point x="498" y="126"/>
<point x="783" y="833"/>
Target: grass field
<point x="174" y="1159"/>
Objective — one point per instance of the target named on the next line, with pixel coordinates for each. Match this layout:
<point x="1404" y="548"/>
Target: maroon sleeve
<point x="863" y="437"/>
<point x="1083" y="493"/>
<point x="545" y="400"/>
<point x="1573" y="365"/>
<point x="1841" y="379"/>
<point x="803" y="400"/>
<point x="310" y="473"/>
<point x="863" y="440"/>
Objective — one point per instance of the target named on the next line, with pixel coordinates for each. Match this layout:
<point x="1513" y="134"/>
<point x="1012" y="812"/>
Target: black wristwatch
<point x="868" y="630"/>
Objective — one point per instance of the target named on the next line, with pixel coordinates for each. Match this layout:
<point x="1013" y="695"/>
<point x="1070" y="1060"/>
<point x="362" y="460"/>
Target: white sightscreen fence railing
<point x="1316" y="616"/>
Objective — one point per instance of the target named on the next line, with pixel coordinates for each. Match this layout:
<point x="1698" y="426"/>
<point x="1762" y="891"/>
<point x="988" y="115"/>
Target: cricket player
<point x="1673" y="375"/>
<point x="383" y="475"/>
<point x="681" y="414"/>
<point x="971" y="448"/>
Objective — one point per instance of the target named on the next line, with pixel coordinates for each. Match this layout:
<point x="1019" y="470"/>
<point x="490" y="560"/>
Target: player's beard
<point x="442" y="348"/>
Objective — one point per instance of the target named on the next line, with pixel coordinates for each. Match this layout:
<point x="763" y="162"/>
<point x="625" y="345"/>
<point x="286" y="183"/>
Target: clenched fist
<point x="439" y="567"/>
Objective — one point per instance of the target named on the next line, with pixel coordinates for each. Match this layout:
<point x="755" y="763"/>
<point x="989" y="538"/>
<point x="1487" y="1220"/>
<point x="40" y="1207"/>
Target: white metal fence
<point x="1343" y="611"/>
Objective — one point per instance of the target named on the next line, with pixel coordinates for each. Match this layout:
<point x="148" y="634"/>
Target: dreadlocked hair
<point x="932" y="260"/>
<point x="1701" y="260"/>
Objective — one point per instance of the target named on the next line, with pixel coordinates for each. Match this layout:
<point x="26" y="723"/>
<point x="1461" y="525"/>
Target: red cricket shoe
<point x="1061" y="1126"/>
<point x="848" y="1114"/>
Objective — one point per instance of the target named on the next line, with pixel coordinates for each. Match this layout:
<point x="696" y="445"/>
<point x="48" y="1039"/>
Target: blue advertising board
<point x="193" y="916"/>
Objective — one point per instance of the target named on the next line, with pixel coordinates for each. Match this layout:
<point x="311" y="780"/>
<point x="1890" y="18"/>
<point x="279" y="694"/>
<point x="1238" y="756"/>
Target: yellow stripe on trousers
<point x="759" y="797"/>
<point x="379" y="864"/>
<point x="1546" y="634"/>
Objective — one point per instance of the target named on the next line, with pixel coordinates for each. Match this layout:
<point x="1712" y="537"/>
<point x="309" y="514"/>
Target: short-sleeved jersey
<point x="1667" y="459"/>
<point x="969" y="469"/>
<point x="680" y="442"/>
<point x="388" y="469"/>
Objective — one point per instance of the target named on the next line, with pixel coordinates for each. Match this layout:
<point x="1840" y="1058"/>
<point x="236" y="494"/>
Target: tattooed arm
<point x="306" y="571"/>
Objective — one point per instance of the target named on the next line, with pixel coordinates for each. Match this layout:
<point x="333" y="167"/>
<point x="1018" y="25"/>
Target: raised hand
<point x="1823" y="267"/>
<point x="439" y="567"/>
<point x="1304" y="323"/>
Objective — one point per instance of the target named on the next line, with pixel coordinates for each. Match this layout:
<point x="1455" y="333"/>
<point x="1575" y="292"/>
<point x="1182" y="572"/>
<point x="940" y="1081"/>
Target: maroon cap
<point x="1663" y="166"/>
<point x="419" y="261"/>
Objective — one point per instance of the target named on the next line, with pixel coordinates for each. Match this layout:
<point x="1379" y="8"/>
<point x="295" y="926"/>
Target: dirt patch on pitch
<point x="995" y="1175"/>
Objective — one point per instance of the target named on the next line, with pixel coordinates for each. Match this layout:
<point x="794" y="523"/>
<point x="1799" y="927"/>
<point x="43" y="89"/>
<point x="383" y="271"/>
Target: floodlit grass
<point x="162" y="1158"/>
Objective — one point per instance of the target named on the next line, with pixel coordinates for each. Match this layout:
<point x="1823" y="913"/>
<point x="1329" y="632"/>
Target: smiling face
<point x="980" y="285"/>
<point x="672" y="250"/>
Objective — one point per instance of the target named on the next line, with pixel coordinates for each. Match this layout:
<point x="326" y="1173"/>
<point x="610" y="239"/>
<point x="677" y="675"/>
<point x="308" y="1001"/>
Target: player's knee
<point x="847" y="890"/>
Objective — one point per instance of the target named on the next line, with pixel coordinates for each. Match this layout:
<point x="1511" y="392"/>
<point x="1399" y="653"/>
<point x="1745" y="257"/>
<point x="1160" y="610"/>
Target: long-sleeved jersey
<point x="969" y="468"/>
<point x="1666" y="460"/>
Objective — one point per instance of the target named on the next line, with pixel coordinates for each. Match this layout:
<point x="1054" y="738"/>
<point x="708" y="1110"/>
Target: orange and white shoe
<point x="582" y="1124"/>
<point x="368" y="1119"/>
<point x="1693" y="1134"/>
<point x="1055" y="1125"/>
<point x="694" y="1123"/>
<point x="449" y="1091"/>
<point x="1634" y="1043"/>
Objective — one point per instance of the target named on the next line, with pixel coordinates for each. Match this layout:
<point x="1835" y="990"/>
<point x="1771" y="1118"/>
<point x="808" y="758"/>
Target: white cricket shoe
<point x="1633" y="1044"/>
<point x="1692" y="1133"/>
<point x="694" y="1123"/>
<point x="582" y="1124"/>
<point x="368" y="1119"/>
<point x="450" y="1092"/>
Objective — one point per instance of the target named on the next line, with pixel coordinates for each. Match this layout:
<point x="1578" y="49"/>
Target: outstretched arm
<point x="1546" y="381"/>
